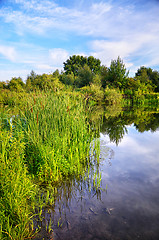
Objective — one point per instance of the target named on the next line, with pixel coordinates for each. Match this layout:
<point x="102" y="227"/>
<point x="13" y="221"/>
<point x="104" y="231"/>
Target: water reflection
<point x="134" y="185"/>
<point x="116" y="126"/>
<point x="128" y="205"/>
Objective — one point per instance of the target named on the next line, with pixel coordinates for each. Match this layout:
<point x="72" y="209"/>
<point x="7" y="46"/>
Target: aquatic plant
<point x="46" y="143"/>
<point x="57" y="135"/>
<point x="16" y="188"/>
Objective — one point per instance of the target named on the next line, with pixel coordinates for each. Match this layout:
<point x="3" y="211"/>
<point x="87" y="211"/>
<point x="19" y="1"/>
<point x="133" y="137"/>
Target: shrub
<point x="112" y="96"/>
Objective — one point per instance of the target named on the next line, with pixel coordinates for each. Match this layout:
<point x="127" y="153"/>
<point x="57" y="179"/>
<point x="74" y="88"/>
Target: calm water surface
<point x="128" y="206"/>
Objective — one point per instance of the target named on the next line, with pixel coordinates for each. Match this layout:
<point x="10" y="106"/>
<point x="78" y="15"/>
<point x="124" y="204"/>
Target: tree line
<point x="83" y="72"/>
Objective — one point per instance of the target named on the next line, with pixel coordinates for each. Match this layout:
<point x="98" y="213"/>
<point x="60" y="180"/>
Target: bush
<point x="93" y="92"/>
<point x="112" y="96"/>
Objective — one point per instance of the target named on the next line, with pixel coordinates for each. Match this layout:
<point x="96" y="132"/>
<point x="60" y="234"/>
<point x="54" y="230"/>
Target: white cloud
<point x="8" y="74"/>
<point x="58" y="56"/>
<point x="44" y="66"/>
<point x="139" y="45"/>
<point x="130" y="31"/>
<point x="8" y="52"/>
<point x="41" y="16"/>
<point x="100" y="8"/>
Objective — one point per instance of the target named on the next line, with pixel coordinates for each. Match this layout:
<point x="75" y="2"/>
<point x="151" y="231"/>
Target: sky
<point x="40" y="35"/>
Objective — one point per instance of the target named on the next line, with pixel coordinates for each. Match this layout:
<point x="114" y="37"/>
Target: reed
<point x="48" y="142"/>
<point x="16" y="188"/>
<point x="57" y="135"/>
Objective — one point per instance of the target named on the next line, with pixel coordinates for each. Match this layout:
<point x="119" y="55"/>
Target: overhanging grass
<point x="58" y="136"/>
<point x="49" y="142"/>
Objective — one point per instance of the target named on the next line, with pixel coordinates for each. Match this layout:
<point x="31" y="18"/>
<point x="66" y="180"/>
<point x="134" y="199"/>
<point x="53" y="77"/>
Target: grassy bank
<point x="47" y="142"/>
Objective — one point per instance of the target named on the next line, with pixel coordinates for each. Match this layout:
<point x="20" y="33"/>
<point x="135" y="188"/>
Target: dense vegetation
<point x="48" y="141"/>
<point x="49" y="129"/>
<point x="96" y="82"/>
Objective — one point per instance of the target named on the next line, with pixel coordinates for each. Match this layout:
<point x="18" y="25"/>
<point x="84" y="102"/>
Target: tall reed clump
<point x="17" y="191"/>
<point x="58" y="136"/>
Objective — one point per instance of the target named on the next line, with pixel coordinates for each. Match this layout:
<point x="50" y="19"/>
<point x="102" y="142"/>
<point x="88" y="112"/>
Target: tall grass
<point x="57" y="135"/>
<point x="46" y="143"/>
<point x="17" y="192"/>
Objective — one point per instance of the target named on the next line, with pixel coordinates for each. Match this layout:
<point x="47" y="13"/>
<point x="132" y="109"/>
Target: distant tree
<point x="30" y="82"/>
<point x="56" y="73"/>
<point x="117" y="74"/>
<point x="143" y="74"/>
<point x="97" y="80"/>
<point x="73" y="64"/>
<point x="155" y="80"/>
<point x="3" y="85"/>
<point x="16" y="84"/>
<point x="67" y="79"/>
<point x="94" y="64"/>
<point x="85" y="76"/>
<point x="137" y="89"/>
<point x="42" y="82"/>
<point x="147" y="75"/>
<point x="76" y="62"/>
<point x="104" y="76"/>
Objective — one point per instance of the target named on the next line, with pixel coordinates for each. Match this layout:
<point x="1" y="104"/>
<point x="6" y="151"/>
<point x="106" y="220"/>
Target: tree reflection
<point x="115" y="128"/>
<point x="115" y="122"/>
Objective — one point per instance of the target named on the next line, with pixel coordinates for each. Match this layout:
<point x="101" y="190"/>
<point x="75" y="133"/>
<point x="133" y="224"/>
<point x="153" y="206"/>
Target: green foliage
<point x="16" y="188"/>
<point x="115" y="120"/>
<point x="104" y="76"/>
<point x="12" y="99"/>
<point x="147" y="75"/>
<point x="16" y="84"/>
<point x="117" y="74"/>
<point x="43" y="82"/>
<point x="113" y="96"/>
<point x="67" y="79"/>
<point x="75" y="62"/>
<point x="56" y="73"/>
<point x="93" y="93"/>
<point x="83" y="71"/>
<point x="57" y="136"/>
<point x="97" y="80"/>
<point x="94" y="64"/>
<point x="2" y="85"/>
<point x="30" y="80"/>
<point x="85" y="76"/>
<point x="113" y="110"/>
<point x="142" y="75"/>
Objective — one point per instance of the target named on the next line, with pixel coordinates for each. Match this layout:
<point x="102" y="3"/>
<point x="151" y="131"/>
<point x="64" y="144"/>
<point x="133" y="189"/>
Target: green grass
<point x="57" y="136"/>
<point x="46" y="143"/>
<point x="17" y="190"/>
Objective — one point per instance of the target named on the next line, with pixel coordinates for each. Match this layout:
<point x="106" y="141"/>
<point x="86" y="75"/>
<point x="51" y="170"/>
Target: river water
<point x="127" y="204"/>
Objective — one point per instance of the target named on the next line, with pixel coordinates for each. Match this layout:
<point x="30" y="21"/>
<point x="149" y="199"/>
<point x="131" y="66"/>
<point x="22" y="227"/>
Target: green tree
<point x="85" y="76"/>
<point x="117" y="74"/>
<point x="75" y="62"/>
<point x="30" y="82"/>
<point x="16" y="84"/>
<point x="148" y="76"/>
<point x="104" y="76"/>
<point x="56" y="73"/>
<point x="155" y="80"/>
<point x="142" y="75"/>
<point x="94" y="64"/>
<point x="3" y="85"/>
<point x="67" y="79"/>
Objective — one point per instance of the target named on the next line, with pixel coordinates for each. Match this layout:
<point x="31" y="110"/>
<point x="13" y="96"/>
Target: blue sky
<point x="40" y="35"/>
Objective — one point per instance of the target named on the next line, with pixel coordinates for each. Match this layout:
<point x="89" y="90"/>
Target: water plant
<point x="57" y="135"/>
<point x="47" y="142"/>
<point x="17" y="190"/>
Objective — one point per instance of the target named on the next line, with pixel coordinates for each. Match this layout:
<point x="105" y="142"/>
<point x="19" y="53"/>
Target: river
<point x="126" y="206"/>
